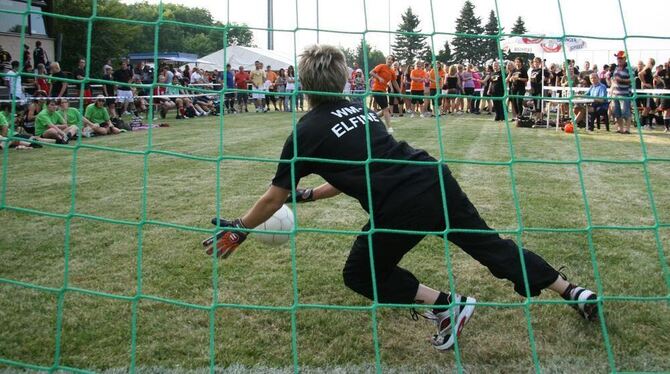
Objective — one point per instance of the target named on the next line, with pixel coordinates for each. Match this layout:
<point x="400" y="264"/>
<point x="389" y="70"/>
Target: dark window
<point x="10" y="22"/>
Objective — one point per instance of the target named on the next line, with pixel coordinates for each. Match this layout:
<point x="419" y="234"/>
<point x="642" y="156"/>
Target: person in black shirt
<point x="124" y="93"/>
<point x="27" y="66"/>
<point x="40" y="55"/>
<point x="497" y="89"/>
<point x="646" y="79"/>
<point x="536" y="79"/>
<point x="58" y="87"/>
<point x="399" y="196"/>
<point x="108" y="91"/>
<point x="518" y="79"/>
<point x="80" y="73"/>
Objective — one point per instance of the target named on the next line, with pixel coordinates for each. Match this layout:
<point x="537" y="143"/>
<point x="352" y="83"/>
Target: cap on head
<point x="620" y="54"/>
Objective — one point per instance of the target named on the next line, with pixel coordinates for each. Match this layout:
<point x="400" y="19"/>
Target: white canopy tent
<point x="238" y="56"/>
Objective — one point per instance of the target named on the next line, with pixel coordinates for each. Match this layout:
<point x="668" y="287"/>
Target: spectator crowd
<point x="426" y="89"/>
<point x="45" y="109"/>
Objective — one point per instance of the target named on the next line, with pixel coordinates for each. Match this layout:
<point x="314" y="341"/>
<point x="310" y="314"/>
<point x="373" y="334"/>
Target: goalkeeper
<point x="404" y="197"/>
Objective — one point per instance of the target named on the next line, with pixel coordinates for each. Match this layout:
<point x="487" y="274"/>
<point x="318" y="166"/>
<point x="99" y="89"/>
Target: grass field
<point x="102" y="256"/>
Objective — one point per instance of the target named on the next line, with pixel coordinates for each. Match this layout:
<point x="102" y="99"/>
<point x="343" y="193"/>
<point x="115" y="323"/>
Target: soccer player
<point x="418" y="77"/>
<point x="383" y="74"/>
<point x="50" y="124"/>
<point x="403" y="197"/>
<point x="97" y="118"/>
<point x="73" y="117"/>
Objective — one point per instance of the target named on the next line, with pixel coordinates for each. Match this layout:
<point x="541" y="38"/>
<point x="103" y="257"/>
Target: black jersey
<point x="57" y="85"/>
<point x="108" y="86"/>
<point x="648" y="76"/>
<point x="638" y="82"/>
<point x="452" y="83"/>
<point x="497" y="87"/>
<point x="536" y="79"/>
<point x="78" y="72"/>
<point x="123" y="76"/>
<point x="336" y="133"/>
<point x="520" y="74"/>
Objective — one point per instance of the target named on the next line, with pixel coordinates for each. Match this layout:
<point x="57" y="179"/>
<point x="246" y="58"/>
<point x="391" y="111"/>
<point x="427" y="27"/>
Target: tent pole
<point x="270" y="25"/>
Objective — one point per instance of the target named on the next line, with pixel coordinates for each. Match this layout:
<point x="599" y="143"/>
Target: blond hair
<point x="453" y="70"/>
<point x="322" y="68"/>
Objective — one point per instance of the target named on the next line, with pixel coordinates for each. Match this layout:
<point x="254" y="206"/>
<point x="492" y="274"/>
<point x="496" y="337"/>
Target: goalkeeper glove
<point x="226" y="240"/>
<point x="302" y="195"/>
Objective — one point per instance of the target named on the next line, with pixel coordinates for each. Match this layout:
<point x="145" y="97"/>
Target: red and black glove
<point x="302" y="195"/>
<point x="227" y="240"/>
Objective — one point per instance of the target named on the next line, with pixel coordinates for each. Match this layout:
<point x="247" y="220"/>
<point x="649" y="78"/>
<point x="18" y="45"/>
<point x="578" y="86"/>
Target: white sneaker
<point x="444" y="338"/>
<point x="584" y="301"/>
<point x="390" y="130"/>
<point x="411" y="115"/>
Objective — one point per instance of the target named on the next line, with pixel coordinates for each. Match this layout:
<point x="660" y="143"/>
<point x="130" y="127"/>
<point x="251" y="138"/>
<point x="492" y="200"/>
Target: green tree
<point x="115" y="39"/>
<point x="408" y="47"/>
<point x="200" y="44"/>
<point x="444" y="55"/>
<point x="349" y="55"/>
<point x="427" y="54"/>
<point x="468" y="49"/>
<point x="239" y="34"/>
<point x="108" y="39"/>
<point x="491" y="28"/>
<point x="375" y="56"/>
<point x="519" y="27"/>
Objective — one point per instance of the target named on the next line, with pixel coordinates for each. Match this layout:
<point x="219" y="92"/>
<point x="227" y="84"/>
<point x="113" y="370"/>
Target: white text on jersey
<point x="343" y="127"/>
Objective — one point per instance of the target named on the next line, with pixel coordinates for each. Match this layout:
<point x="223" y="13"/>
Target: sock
<point x="566" y="294"/>
<point x="443" y="299"/>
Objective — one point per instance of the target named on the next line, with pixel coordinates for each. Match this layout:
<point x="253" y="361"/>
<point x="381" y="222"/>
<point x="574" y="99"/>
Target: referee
<point x="404" y="197"/>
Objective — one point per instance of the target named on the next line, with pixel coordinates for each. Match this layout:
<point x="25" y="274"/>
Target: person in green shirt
<point x="72" y="116"/>
<point x="4" y="123"/>
<point x="96" y="113"/>
<point x="5" y="113"/>
<point x="49" y="124"/>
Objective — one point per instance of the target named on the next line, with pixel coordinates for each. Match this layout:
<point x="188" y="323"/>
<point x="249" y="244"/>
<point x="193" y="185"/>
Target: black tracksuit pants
<point x="397" y="285"/>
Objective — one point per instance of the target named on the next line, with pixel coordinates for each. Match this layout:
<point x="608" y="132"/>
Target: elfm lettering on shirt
<point x="351" y="123"/>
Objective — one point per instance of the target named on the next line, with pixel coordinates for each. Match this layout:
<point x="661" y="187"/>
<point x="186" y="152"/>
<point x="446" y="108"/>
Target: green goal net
<point x="51" y="306"/>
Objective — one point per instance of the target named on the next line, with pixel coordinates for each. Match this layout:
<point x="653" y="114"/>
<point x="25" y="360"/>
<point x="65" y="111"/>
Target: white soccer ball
<point x="281" y="220"/>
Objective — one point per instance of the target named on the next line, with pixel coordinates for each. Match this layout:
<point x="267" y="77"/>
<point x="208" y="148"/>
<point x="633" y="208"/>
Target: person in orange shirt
<point x="434" y="83"/>
<point x="382" y="75"/>
<point x="418" y="77"/>
<point x="270" y="78"/>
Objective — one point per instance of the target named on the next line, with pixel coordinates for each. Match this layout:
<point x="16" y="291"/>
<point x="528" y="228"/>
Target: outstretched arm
<point x="265" y="207"/>
<point x="303" y="195"/>
<point x="325" y="191"/>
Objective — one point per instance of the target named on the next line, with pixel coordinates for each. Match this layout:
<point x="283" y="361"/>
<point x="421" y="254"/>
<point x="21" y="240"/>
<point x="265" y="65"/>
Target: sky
<point x="344" y="21"/>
